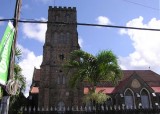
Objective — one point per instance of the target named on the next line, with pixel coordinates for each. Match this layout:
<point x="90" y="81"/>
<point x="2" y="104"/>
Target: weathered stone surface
<point x="60" y="41"/>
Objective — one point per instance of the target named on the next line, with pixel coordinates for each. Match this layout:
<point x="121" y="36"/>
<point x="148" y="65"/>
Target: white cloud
<point x="146" y="45"/>
<point x="102" y="20"/>
<point x="80" y="41"/>
<point x="35" y="31"/>
<point x="30" y="60"/>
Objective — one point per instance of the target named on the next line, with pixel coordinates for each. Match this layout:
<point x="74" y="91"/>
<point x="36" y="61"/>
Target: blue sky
<point x="135" y="49"/>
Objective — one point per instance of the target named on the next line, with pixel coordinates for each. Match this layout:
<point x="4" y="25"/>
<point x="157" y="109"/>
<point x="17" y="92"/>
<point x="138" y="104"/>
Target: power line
<point x="81" y="24"/>
<point x="141" y="5"/>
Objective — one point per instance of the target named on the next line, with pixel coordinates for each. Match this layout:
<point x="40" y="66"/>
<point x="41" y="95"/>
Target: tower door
<point x="61" y="105"/>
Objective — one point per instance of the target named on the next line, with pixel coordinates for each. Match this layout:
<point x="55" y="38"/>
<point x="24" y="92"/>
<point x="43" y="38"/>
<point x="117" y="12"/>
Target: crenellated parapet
<point x="61" y="8"/>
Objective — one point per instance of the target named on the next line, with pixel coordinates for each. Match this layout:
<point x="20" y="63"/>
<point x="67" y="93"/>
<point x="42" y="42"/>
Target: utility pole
<point x="6" y="97"/>
<point x="15" y="24"/>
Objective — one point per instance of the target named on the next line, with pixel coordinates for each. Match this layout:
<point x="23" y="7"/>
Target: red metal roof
<point x="146" y="75"/>
<point x="156" y="89"/>
<point x="150" y="77"/>
<point x="34" y="90"/>
<point x="106" y="90"/>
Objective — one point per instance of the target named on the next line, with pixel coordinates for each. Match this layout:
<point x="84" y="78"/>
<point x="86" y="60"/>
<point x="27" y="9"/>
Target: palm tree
<point x="93" y="69"/>
<point x="18" y="100"/>
<point x="18" y="70"/>
<point x="19" y="80"/>
<point x="95" y="97"/>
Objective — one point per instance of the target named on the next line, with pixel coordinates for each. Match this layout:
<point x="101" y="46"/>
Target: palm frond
<point x="93" y="69"/>
<point x="18" y="53"/>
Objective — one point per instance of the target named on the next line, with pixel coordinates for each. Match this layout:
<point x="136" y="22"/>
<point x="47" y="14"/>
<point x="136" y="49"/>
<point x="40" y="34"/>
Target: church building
<point x="50" y="88"/>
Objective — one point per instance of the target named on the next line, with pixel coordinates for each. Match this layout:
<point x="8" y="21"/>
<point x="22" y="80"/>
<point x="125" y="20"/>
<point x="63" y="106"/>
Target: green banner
<point x="5" y="50"/>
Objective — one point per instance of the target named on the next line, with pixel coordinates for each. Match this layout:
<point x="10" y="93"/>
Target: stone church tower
<point x="61" y="39"/>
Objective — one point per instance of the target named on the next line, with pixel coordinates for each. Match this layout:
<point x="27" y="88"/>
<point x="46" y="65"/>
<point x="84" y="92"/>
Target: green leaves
<point x="18" y="54"/>
<point x="93" y="69"/>
<point x="18" y="71"/>
<point x="17" y="101"/>
<point x="97" y="97"/>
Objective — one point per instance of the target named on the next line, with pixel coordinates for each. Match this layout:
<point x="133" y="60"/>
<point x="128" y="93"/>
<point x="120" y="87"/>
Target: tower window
<point x="67" y="16"/>
<point x="63" y="80"/>
<point x="61" y="56"/>
<point x="61" y="38"/>
<point x="68" y="35"/>
<point x="55" y="38"/>
<point x="58" y="80"/>
<point x="56" y="18"/>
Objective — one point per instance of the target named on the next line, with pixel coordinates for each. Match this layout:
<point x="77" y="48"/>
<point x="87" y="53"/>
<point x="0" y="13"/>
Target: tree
<point x="93" y="69"/>
<point x="18" y="100"/>
<point x="18" y="70"/>
<point x="96" y="97"/>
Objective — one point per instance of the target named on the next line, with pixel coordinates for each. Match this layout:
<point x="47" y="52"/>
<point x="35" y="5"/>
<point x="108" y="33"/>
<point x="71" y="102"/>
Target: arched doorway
<point x="61" y="105"/>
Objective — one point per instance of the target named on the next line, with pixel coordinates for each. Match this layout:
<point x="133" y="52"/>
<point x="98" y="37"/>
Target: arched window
<point x="61" y="56"/>
<point x="63" y="80"/>
<point x="145" y="99"/>
<point x="68" y="37"/>
<point x="58" y="79"/>
<point x="67" y="16"/>
<point x="56" y="18"/>
<point x="55" y="37"/>
<point x="129" y="99"/>
<point x="61" y="38"/>
<point x="68" y="34"/>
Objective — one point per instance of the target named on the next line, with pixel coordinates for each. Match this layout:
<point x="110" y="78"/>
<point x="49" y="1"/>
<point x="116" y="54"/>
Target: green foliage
<point x="93" y="69"/>
<point x="19" y="100"/>
<point x="97" y="97"/>
<point x="1" y="92"/>
<point x="16" y="102"/>
<point x="18" y="76"/>
<point x="18" y="54"/>
<point x="18" y="70"/>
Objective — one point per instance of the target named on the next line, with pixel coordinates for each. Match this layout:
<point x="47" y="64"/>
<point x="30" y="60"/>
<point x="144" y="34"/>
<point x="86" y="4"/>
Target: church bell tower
<point x="60" y="40"/>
